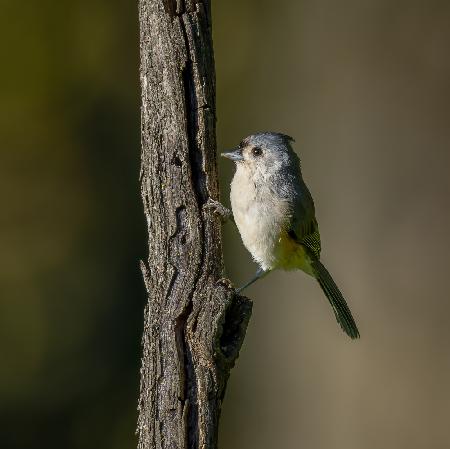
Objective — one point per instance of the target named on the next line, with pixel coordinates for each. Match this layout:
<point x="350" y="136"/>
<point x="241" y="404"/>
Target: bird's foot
<point x="226" y="283"/>
<point x="218" y="208"/>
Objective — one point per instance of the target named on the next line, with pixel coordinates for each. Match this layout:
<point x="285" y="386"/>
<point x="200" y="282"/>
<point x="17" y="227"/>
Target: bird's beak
<point x="234" y="155"/>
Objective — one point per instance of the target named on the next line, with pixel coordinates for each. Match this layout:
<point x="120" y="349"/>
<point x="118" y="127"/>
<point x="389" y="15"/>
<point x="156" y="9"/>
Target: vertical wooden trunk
<point x="194" y="325"/>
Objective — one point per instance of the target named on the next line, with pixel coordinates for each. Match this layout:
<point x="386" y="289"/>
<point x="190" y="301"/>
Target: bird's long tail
<point x="337" y="301"/>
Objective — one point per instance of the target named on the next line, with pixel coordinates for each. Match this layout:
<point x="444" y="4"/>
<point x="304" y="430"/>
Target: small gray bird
<point x="274" y="212"/>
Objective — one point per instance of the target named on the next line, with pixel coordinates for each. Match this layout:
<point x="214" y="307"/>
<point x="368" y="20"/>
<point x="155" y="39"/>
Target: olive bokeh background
<point x="364" y="88"/>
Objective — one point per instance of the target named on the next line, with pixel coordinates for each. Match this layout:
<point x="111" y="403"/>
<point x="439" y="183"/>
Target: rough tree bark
<point x="194" y="325"/>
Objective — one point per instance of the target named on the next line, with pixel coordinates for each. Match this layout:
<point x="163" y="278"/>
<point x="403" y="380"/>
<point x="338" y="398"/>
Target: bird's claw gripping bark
<point x="218" y="208"/>
<point x="226" y="283"/>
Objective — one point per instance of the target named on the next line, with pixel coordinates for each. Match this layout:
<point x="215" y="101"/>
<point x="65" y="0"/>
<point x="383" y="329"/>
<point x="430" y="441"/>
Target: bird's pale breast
<point x="260" y="218"/>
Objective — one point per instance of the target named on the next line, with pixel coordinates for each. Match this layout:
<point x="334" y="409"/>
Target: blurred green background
<point x="364" y="88"/>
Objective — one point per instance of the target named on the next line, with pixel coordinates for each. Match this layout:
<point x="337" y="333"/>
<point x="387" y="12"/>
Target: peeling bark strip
<point x="194" y="326"/>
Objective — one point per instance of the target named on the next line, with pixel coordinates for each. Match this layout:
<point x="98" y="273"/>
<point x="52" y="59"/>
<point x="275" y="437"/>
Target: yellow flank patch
<point x="290" y="255"/>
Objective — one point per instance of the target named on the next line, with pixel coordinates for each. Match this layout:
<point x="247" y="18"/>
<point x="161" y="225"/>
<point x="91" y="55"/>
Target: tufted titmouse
<point x="274" y="212"/>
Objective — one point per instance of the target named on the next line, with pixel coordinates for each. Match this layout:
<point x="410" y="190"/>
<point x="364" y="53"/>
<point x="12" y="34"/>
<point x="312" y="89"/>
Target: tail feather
<point x="337" y="301"/>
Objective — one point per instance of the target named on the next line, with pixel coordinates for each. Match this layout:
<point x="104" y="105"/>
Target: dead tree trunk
<point x="194" y="325"/>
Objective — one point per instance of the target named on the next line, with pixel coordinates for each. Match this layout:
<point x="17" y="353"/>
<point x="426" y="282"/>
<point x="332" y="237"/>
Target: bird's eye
<point x="256" y="151"/>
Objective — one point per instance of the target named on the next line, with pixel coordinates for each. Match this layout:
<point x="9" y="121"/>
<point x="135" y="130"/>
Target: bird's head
<point x="263" y="152"/>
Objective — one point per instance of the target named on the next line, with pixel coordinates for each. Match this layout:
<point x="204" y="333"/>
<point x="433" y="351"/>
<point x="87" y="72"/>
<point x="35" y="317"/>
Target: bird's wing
<point x="303" y="226"/>
<point x="307" y="234"/>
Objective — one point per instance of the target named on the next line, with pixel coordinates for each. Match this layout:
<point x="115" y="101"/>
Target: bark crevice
<point x="191" y="107"/>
